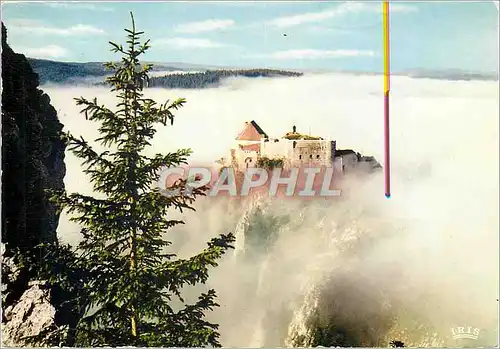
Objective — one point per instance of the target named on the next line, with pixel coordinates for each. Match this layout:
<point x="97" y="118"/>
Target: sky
<point x="301" y="35"/>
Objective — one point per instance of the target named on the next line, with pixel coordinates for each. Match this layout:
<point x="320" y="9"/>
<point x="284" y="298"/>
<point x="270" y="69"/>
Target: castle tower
<point x="248" y="144"/>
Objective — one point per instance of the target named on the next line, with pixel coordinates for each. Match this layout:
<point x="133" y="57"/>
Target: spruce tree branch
<point x="159" y="161"/>
<point x="195" y="269"/>
<point x="83" y="150"/>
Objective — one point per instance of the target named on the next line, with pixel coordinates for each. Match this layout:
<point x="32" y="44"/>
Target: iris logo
<point x="465" y="332"/>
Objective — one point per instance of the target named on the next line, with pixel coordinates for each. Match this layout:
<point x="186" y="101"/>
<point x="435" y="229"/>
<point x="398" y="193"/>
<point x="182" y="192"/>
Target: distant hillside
<point x="212" y="78"/>
<point x="70" y="73"/>
<point x="444" y="74"/>
<point x="175" y="75"/>
<point x="61" y="72"/>
<point x="451" y="74"/>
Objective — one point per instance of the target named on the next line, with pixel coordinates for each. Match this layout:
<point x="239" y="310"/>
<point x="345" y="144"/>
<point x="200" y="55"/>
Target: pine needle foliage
<point x="132" y="279"/>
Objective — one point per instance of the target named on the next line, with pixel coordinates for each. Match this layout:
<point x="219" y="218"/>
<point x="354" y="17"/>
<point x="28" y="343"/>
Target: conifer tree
<point x="132" y="280"/>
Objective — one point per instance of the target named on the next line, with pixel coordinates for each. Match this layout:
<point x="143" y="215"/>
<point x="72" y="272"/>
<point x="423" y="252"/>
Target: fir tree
<point x="132" y="280"/>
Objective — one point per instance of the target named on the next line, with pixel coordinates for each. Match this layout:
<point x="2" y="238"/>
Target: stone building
<point x="294" y="149"/>
<point x="248" y="146"/>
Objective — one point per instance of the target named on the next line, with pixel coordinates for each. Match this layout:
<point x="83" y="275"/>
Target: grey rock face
<point x="31" y="316"/>
<point x="32" y="156"/>
<point x="32" y="162"/>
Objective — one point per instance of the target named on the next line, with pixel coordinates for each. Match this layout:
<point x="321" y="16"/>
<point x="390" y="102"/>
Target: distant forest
<point x="71" y="72"/>
<point x="93" y="73"/>
<point x="63" y="72"/>
<point x="212" y="78"/>
<point x="197" y="76"/>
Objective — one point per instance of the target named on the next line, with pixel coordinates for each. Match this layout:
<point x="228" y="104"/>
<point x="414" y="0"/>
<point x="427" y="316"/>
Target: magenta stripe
<point x="387" y="164"/>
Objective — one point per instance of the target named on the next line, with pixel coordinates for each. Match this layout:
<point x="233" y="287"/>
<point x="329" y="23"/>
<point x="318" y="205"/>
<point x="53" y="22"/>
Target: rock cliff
<point x="32" y="162"/>
<point x="32" y="155"/>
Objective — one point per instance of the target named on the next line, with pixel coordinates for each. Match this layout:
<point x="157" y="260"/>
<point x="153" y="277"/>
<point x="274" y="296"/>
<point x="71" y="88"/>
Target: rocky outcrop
<point x="32" y="315"/>
<point x="46" y="313"/>
<point x="32" y="156"/>
<point x="32" y="163"/>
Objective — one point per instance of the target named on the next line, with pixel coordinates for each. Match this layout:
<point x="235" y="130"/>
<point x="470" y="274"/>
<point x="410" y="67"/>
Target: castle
<point x="293" y="150"/>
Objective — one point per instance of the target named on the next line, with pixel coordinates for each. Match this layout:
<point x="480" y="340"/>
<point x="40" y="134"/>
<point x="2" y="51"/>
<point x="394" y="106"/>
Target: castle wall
<point x="281" y="149"/>
<point x="349" y="161"/>
<point x="251" y="145"/>
<point x="337" y="165"/>
<point x="301" y="152"/>
<point x="313" y="152"/>
<point x="245" y="158"/>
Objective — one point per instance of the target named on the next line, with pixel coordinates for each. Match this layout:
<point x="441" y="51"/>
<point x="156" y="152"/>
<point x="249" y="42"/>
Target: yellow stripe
<point x="386" y="46"/>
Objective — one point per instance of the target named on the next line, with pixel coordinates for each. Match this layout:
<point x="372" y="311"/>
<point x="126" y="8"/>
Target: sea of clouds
<point x="440" y="227"/>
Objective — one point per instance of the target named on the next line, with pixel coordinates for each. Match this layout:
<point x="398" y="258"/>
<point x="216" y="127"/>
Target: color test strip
<point x="387" y="169"/>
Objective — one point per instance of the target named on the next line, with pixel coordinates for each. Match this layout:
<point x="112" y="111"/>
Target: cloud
<point x="204" y="26"/>
<point x="241" y="3"/>
<point x="431" y="259"/>
<point x="23" y="22"/>
<point x="188" y="43"/>
<point x="49" y="51"/>
<point x="340" y="10"/>
<point x="395" y="8"/>
<point x="79" y="6"/>
<point x="321" y="29"/>
<point x="317" y="54"/>
<point x="38" y="28"/>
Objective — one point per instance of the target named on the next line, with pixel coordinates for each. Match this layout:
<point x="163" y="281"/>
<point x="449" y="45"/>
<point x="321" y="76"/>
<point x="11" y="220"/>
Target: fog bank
<point x="431" y="251"/>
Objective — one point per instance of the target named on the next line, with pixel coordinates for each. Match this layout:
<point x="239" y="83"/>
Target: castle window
<point x="300" y="157"/>
<point x="310" y="156"/>
<point x="317" y="156"/>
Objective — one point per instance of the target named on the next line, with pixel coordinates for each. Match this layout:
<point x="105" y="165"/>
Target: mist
<point x="379" y="268"/>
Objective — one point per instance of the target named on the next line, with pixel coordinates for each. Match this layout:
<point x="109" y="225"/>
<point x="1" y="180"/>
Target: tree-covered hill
<point x="63" y="72"/>
<point x="212" y="78"/>
<point x="72" y="72"/>
<point x="176" y="75"/>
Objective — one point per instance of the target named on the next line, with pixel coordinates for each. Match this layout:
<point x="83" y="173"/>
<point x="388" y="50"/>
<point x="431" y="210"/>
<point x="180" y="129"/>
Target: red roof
<point x="251" y="132"/>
